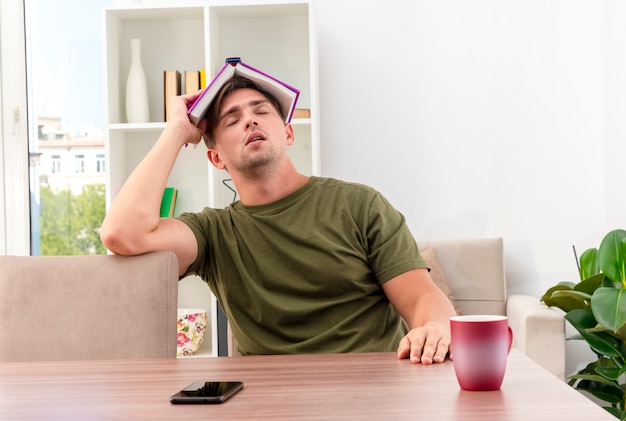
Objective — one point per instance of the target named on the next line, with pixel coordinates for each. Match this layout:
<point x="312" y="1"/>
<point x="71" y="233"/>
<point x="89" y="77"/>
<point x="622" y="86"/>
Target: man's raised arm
<point x="133" y="224"/>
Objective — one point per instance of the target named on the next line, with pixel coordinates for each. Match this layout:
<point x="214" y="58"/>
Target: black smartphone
<point x="207" y="392"/>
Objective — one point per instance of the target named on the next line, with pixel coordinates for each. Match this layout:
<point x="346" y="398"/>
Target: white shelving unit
<point x="275" y="36"/>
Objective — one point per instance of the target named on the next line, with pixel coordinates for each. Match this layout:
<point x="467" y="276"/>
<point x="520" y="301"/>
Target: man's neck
<point x="270" y="187"/>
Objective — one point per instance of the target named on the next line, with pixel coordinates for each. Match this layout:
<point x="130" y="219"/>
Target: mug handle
<point x="510" y="339"/>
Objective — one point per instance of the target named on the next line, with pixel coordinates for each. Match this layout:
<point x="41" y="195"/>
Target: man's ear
<point x="215" y="159"/>
<point x="290" y="135"/>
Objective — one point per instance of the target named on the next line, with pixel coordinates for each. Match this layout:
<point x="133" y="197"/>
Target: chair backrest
<point x="88" y="307"/>
<point x="475" y="272"/>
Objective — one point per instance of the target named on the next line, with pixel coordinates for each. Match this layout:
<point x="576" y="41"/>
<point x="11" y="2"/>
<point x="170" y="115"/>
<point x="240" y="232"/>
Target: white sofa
<point x="475" y="272"/>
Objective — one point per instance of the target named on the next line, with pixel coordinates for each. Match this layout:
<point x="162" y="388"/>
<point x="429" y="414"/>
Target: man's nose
<point x="248" y="117"/>
<point x="250" y="122"/>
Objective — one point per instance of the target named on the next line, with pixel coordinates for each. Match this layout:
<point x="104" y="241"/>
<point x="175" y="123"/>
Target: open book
<point x="286" y="95"/>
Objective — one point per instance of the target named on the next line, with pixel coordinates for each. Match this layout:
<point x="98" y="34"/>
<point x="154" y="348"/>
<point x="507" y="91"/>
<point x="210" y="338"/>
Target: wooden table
<point x="373" y="386"/>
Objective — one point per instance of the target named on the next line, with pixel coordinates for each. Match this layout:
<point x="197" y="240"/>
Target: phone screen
<point x="207" y="392"/>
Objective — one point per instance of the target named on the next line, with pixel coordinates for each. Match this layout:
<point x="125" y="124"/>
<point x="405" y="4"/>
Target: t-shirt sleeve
<point x="198" y="267"/>
<point x="392" y="249"/>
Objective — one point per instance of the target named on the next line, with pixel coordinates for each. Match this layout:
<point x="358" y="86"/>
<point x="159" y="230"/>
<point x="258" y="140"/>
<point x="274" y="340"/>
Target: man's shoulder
<point x="343" y="185"/>
<point x="205" y="215"/>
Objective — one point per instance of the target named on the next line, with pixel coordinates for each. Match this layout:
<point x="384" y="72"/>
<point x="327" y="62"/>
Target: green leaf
<point x="589" y="263"/>
<point x="569" y="284"/>
<point x="601" y="391"/>
<point x="589" y="285"/>
<point x="609" y="307"/>
<point x="616" y="412"/>
<point x="621" y="333"/>
<point x="581" y="319"/>
<point x="599" y="328"/>
<point x="612" y="256"/>
<point x="611" y="373"/>
<point x="573" y="294"/>
<point x="600" y="342"/>
<point x="595" y="378"/>
<point x="621" y="261"/>
<point x="565" y="298"/>
<point x="570" y="300"/>
<point x="599" y="387"/>
<point x="604" y="344"/>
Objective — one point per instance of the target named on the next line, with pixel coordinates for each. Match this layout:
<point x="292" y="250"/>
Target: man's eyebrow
<point x="236" y="108"/>
<point x="229" y="111"/>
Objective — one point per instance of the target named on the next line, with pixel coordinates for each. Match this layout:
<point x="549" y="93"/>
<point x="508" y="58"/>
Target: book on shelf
<point x="202" y="78"/>
<point x="301" y="113"/>
<point x="168" y="202"/>
<point x="286" y="95"/>
<point x="192" y="81"/>
<point x="171" y="87"/>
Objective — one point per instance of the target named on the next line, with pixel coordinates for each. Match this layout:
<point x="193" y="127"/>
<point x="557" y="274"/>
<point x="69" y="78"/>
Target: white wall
<point x="482" y="118"/>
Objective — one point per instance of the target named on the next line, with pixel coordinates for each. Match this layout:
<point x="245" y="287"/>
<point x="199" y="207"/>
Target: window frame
<point x="14" y="137"/>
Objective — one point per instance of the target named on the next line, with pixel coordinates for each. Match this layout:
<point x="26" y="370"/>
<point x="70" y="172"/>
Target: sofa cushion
<point x="475" y="272"/>
<point x="438" y="277"/>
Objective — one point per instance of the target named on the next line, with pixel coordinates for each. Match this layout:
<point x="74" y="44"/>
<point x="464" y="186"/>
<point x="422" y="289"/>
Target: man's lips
<point x="254" y="137"/>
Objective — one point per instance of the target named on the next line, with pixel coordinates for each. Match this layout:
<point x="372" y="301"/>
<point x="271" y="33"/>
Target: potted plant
<point x="596" y="308"/>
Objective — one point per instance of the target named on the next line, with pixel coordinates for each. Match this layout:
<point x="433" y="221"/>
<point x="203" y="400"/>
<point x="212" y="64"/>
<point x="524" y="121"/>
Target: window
<point x="100" y="163"/>
<point x="55" y="164"/>
<point x="79" y="163"/>
<point x="66" y="77"/>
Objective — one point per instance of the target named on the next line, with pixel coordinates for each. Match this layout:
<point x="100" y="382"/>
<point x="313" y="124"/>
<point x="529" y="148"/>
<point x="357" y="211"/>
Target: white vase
<point x="137" y="109"/>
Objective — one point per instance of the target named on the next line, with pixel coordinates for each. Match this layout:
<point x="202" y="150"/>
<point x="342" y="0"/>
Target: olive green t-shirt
<point x="304" y="274"/>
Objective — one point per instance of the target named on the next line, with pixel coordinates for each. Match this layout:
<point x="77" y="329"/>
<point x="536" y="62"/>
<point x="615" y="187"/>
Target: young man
<point x="300" y="264"/>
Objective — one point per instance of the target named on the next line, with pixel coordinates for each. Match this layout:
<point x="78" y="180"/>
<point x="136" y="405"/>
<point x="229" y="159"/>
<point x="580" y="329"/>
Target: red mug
<point x="480" y="347"/>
